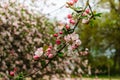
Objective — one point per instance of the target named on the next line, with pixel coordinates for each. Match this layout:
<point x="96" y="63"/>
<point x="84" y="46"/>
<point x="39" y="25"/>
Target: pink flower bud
<point x="87" y="11"/>
<point x="72" y="21"/>
<point x="74" y="47"/>
<point x="67" y="26"/>
<point x="58" y="42"/>
<point x="12" y="73"/>
<point x="60" y="32"/>
<point x="36" y="57"/>
<point x="55" y="35"/>
<point x="84" y="14"/>
<point x="50" y="47"/>
<point x="71" y="3"/>
<point x="50" y="56"/>
<point x="69" y="16"/>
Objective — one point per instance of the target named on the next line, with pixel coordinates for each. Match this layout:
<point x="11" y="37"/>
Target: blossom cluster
<point x="73" y="40"/>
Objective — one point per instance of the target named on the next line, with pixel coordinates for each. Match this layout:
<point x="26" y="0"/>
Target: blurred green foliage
<point x="102" y="37"/>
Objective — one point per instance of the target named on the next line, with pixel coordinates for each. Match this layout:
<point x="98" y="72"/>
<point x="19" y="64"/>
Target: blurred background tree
<point x="102" y="37"/>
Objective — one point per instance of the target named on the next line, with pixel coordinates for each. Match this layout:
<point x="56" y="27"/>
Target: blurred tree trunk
<point x="119" y="7"/>
<point x="114" y="7"/>
<point x="117" y="61"/>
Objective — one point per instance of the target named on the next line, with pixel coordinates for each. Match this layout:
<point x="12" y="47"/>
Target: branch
<point x="87" y="4"/>
<point x="49" y="61"/>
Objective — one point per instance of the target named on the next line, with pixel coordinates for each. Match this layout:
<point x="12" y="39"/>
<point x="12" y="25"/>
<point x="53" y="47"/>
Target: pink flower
<point x="55" y="35"/>
<point x="72" y="21"/>
<point x="58" y="42"/>
<point x="84" y="14"/>
<point x="48" y="50"/>
<point x="50" y="47"/>
<point x="74" y="36"/>
<point x="36" y="57"/>
<point x="78" y="42"/>
<point x="74" y="47"/>
<point x="71" y="3"/>
<point x="67" y="38"/>
<point x="50" y="56"/>
<point x="39" y="52"/>
<point x="60" y="32"/>
<point x="67" y="26"/>
<point x="12" y="73"/>
<point x="71" y="37"/>
<point x="87" y="11"/>
<point x="5" y="5"/>
<point x="69" y="16"/>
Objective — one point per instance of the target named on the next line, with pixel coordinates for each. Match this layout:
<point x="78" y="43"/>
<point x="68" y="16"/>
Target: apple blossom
<point x="74" y="47"/>
<point x="48" y="50"/>
<point x="67" y="38"/>
<point x="39" y="52"/>
<point x="74" y="36"/>
<point x="71" y="37"/>
<point x="78" y="42"/>
<point x="50" y="55"/>
<point x="84" y="14"/>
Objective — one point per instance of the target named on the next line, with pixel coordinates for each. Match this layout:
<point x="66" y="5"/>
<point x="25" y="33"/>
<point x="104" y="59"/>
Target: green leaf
<point x="98" y="14"/>
<point x="65" y="31"/>
<point x="20" y="77"/>
<point x="60" y="54"/>
<point x="43" y="63"/>
<point x="78" y="9"/>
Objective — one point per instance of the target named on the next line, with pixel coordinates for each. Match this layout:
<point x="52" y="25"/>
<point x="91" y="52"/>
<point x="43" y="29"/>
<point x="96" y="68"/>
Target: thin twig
<point x="80" y="17"/>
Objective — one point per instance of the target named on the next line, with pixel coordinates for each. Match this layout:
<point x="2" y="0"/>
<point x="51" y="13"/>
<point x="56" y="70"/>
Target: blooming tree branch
<point x="69" y="31"/>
